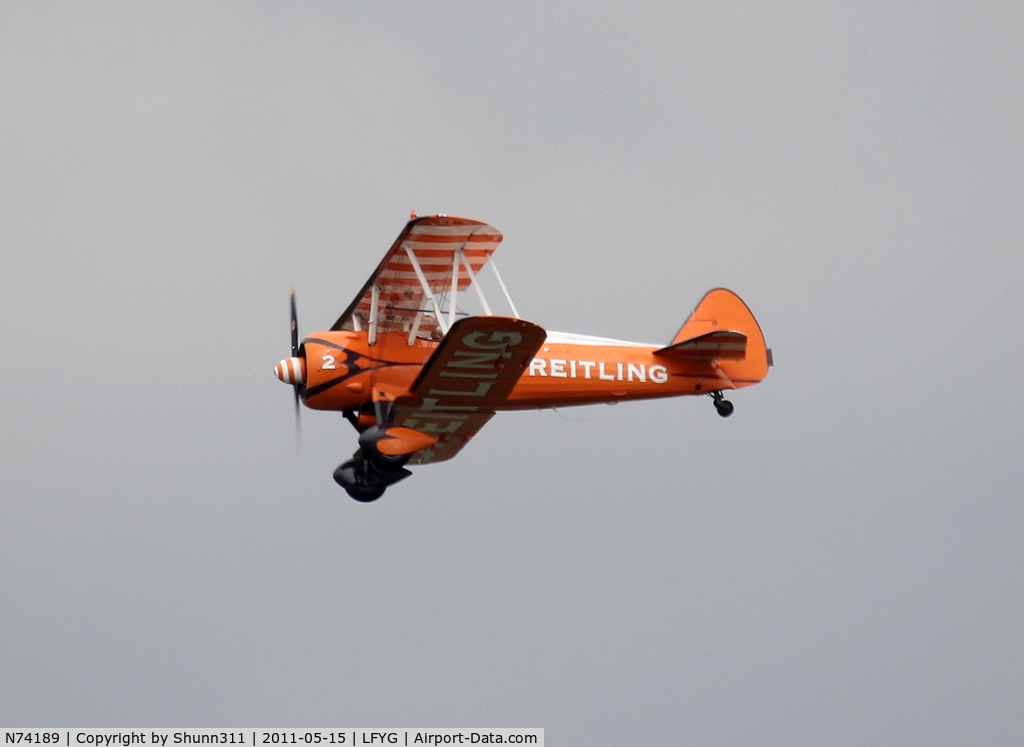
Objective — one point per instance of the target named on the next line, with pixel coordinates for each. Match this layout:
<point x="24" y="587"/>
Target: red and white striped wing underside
<point x="434" y="241"/>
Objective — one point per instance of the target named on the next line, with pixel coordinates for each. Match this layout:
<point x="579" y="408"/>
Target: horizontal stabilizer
<point x="724" y="345"/>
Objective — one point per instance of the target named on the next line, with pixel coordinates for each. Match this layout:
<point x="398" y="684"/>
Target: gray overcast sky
<point x="838" y="563"/>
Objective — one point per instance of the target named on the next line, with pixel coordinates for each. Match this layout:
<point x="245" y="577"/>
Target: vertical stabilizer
<point x="722" y="319"/>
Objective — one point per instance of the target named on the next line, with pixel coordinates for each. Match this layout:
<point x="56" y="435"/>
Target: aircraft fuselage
<point x="343" y="370"/>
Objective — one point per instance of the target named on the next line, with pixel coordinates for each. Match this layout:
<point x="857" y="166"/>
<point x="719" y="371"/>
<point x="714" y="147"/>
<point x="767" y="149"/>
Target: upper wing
<point x="472" y="372"/>
<point x="432" y="243"/>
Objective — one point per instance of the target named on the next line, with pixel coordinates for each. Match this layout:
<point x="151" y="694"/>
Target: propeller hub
<point x="291" y="370"/>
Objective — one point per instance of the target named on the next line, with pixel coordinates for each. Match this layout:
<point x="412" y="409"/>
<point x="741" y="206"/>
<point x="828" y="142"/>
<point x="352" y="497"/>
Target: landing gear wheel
<point x="365" y="493"/>
<point x="358" y="479"/>
<point x="365" y="481"/>
<point x="724" y="406"/>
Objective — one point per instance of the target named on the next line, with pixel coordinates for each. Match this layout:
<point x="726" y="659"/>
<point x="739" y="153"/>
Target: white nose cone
<point x="291" y="371"/>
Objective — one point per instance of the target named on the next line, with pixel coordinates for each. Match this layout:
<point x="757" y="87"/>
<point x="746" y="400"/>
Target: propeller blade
<point x="295" y="353"/>
<point x="295" y="328"/>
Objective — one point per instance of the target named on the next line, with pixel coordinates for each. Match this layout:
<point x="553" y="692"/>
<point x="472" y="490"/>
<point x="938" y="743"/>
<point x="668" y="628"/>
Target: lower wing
<point x="470" y="375"/>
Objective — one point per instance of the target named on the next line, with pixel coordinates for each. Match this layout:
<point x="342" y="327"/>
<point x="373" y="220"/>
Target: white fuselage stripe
<point x="562" y="338"/>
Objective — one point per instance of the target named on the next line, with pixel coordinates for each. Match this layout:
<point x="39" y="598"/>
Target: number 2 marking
<point x="328" y="363"/>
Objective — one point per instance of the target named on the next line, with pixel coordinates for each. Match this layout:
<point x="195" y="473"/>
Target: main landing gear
<point x="370" y="471"/>
<point x="366" y="479"/>
<point x="724" y="406"/>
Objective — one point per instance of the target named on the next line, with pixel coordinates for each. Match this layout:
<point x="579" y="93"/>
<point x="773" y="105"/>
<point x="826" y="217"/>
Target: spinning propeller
<point x="293" y="370"/>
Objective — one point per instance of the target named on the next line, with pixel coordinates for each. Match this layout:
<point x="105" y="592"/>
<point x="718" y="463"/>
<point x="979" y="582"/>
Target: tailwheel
<point x="725" y="407"/>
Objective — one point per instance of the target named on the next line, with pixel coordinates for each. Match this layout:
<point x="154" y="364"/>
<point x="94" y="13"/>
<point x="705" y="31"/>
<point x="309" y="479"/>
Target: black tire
<point x="365" y="493"/>
<point x="724" y="407"/>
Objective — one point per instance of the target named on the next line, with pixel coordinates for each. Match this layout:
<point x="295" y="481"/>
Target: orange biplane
<point x="418" y="378"/>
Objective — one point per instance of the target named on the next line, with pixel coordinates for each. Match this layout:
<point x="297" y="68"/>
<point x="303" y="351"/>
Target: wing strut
<point x="426" y="290"/>
<point x="472" y="281"/>
<point x="504" y="289"/>
<point x="415" y="330"/>
<point x="374" y="310"/>
<point x="455" y="288"/>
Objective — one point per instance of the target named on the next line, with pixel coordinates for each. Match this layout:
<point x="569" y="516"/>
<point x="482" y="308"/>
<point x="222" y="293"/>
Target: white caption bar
<point x="267" y="737"/>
